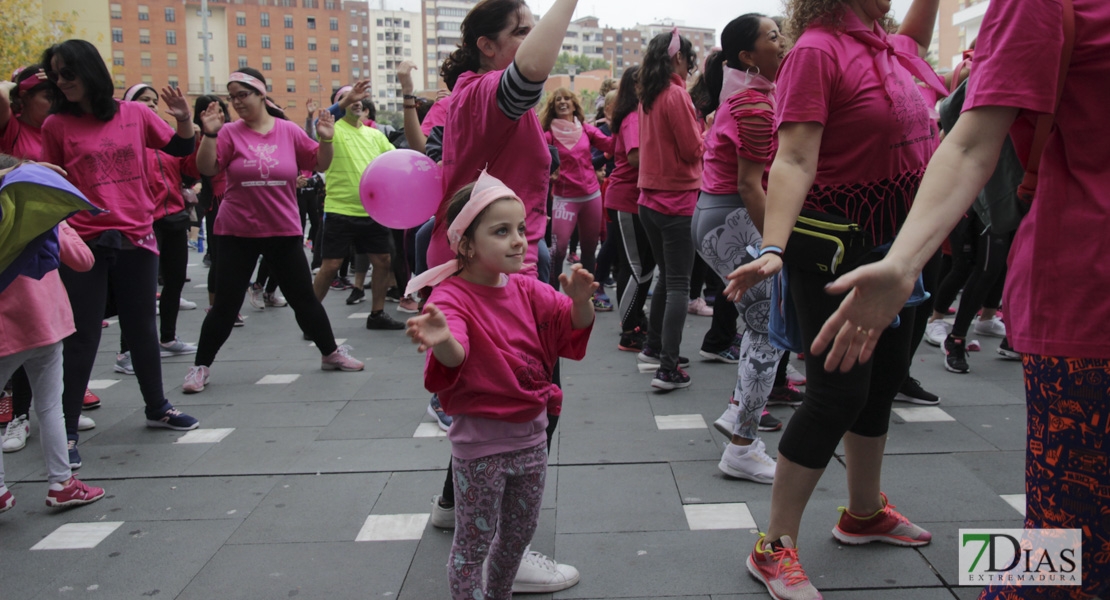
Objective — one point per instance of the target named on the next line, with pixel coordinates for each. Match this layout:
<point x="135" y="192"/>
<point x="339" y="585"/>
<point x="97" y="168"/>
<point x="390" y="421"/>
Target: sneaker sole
<point x="769" y="429"/>
<point x="797" y="382"/>
<point x="727" y="470"/>
<point x="711" y="357"/>
<point x="328" y="367"/>
<point x="758" y="576"/>
<point x="9" y="450"/>
<point x="185" y="390"/>
<point x="952" y="369"/>
<point x="624" y="348"/>
<point x="90" y="406"/>
<point x="659" y="384"/>
<point x="859" y="540"/>
<point x="723" y="426"/>
<point x="771" y="402"/>
<point x="162" y="425"/>
<point x="124" y="371"/>
<point x="75" y="502"/>
<point x="900" y="397"/>
<point x="433" y="414"/>
<point x="544" y="588"/>
<point x="169" y="353"/>
<point x="1009" y="354"/>
<point x="408" y="311"/>
<point x="349" y="303"/>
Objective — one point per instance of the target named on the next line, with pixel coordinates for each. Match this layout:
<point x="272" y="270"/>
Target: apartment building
<point x="959" y="22"/>
<point x="394" y="36"/>
<point x="442" y="33"/>
<point x="703" y="40"/>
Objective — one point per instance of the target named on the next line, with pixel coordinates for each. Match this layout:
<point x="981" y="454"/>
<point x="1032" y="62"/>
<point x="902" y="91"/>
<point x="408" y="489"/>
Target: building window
<point x="241" y="40"/>
<point x="334" y="66"/>
<point x="288" y="42"/>
<point x="171" y="60"/>
<point x="291" y="86"/>
<point x="265" y="19"/>
<point x="329" y="4"/>
<point x="117" y="58"/>
<point x="172" y="79"/>
<point x="144" y="36"/>
<point x="266" y="64"/>
<point x="242" y="62"/>
<point x="290" y="65"/>
<point x="288" y="21"/>
<point x="117" y="35"/>
<point x="171" y="14"/>
<point x="241" y="19"/>
<point x="312" y="43"/>
<point x="381" y="36"/>
<point x="334" y="45"/>
<point x="312" y="65"/>
<point x="312" y="22"/>
<point x="406" y="24"/>
<point x="144" y="13"/>
<point x="314" y="86"/>
<point x="116" y="10"/>
<point x="333" y="24"/>
<point x="265" y="40"/>
<point x="171" y="37"/>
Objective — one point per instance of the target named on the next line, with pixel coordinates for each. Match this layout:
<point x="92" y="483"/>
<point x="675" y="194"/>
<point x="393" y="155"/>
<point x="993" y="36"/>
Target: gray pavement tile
<point x="277" y="414"/>
<point x="701" y="482"/>
<point x="386" y="384"/>
<point x="408" y="492"/>
<point x="250" y="451"/>
<point x="111" y="414"/>
<point x="427" y="574"/>
<point x="141" y="558"/>
<point x="923" y="438"/>
<point x="339" y="570"/>
<point x="964" y="390"/>
<point x="375" y="419"/>
<point x="1003" y="472"/>
<point x="344" y="456"/>
<point x="1003" y="426"/>
<point x="920" y="593"/>
<point x="177" y="498"/>
<point x="599" y="499"/>
<point x="114" y="461"/>
<point x="938" y="488"/>
<point x="943" y="554"/>
<point x="657" y="564"/>
<point x="310" y="508"/>
<point x="130" y="428"/>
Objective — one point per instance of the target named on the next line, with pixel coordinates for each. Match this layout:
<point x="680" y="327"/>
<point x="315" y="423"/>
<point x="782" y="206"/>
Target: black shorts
<point x="366" y="235"/>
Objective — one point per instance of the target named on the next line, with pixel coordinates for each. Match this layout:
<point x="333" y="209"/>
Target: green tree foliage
<point x="26" y="33"/>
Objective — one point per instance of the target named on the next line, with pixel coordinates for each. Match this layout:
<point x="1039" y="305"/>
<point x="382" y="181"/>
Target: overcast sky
<point x="627" y="13"/>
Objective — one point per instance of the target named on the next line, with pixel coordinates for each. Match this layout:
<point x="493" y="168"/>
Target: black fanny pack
<point x="824" y="243"/>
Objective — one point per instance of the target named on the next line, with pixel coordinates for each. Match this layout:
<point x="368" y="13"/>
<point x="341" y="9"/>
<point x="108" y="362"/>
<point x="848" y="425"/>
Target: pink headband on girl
<point x="676" y="43"/>
<point x="343" y="90"/>
<point x="134" y="90"/>
<point x="486" y="191"/>
<point x="256" y="85"/>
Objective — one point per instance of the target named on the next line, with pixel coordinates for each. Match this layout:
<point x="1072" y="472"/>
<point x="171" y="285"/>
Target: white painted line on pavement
<point x="923" y="414"/>
<point x="358" y="315"/>
<point x="1017" y="501"/>
<point x="392" y="528"/>
<point x="77" y="536"/>
<point x="102" y="384"/>
<point x="277" y="379"/>
<point x="664" y="422"/>
<point x="702" y="517"/>
<point x="427" y="430"/>
<point x="205" y="436"/>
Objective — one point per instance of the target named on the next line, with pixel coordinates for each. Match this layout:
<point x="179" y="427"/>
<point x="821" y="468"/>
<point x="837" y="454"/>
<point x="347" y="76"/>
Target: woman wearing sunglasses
<point x="101" y="142"/>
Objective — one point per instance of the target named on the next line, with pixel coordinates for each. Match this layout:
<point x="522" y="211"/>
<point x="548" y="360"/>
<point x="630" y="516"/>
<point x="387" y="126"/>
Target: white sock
<point x="57" y="487"/>
<point x="738" y="449"/>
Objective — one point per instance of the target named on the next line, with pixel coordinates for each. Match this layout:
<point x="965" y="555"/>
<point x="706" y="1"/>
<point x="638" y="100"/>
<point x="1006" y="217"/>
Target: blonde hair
<point x="548" y="114"/>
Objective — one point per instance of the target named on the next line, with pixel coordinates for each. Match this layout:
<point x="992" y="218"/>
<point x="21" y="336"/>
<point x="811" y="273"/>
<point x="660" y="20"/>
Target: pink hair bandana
<point x="256" y="85"/>
<point x="487" y="190"/>
<point x="135" y="90"/>
<point x="676" y="42"/>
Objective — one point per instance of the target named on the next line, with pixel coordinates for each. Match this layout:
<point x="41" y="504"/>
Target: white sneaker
<point x="727" y="421"/>
<point x="937" y="331"/>
<point x="539" y="574"/>
<point x="275" y="299"/>
<point x="443" y="518"/>
<point x="254" y="294"/>
<point x="85" y="423"/>
<point x="123" y="364"/>
<point x="183" y="304"/>
<point x="993" y="328"/>
<point x="748" y="462"/>
<point x="16" y="433"/>
<point x="177" y="348"/>
<point x="794" y="375"/>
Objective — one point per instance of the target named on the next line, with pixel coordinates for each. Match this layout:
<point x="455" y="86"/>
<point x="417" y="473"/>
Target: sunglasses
<point x="64" y="73"/>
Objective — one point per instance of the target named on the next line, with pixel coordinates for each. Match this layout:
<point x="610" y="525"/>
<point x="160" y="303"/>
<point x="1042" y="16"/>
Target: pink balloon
<point x="401" y="188"/>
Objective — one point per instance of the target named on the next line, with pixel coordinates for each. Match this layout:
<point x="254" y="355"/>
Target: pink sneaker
<point x="7" y="500"/>
<point x="780" y="572"/>
<point x="73" y="493"/>
<point x="195" y="380"/>
<point x="341" y="360"/>
<point x="885" y="525"/>
<point x="698" y="307"/>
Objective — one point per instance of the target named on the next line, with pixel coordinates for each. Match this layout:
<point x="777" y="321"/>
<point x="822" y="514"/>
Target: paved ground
<point x="297" y="475"/>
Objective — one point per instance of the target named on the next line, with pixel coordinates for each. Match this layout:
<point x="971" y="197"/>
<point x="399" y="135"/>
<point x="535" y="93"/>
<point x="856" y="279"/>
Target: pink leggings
<point x="564" y="216"/>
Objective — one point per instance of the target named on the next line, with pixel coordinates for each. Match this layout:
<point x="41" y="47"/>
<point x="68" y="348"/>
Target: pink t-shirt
<point x="437" y="115"/>
<point x="105" y="160"/>
<point x="165" y="183"/>
<point x="577" y="177"/>
<point x="623" y="192"/>
<point x="512" y="335"/>
<point x="36" y="312"/>
<point x="1056" y="287"/>
<point x="872" y="153"/>
<point x="479" y="136"/>
<point x="261" y="197"/>
<point x="739" y="130"/>
<point x="680" y="203"/>
<point x="21" y="140"/>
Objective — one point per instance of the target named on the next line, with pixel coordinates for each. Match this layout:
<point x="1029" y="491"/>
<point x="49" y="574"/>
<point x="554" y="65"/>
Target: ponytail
<point x="487" y="19"/>
<point x="707" y="90"/>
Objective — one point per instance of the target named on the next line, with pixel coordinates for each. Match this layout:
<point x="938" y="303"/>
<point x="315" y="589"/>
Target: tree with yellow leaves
<point x="26" y="32"/>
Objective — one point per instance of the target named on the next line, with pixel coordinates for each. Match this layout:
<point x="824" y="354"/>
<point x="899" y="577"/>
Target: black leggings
<point x="399" y="263"/>
<point x="642" y="267"/>
<point x="265" y="278"/>
<point x="835" y="403"/>
<point x="133" y="275"/>
<point x="238" y="256"/>
<point x="173" y="258"/>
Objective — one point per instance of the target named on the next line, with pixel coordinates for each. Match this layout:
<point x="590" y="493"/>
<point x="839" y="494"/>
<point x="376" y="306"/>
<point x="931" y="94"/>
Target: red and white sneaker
<point x="7" y="500"/>
<point x="72" y="493"/>
<point x="780" y="572"/>
<point x="341" y="360"/>
<point x="91" y="400"/>
<point x="885" y="525"/>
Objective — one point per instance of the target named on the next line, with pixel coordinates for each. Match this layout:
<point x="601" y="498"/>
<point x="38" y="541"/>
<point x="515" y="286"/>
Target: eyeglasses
<point x="240" y="96"/>
<point x="64" y="73"/>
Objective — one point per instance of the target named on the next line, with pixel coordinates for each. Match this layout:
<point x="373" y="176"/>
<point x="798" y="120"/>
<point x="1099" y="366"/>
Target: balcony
<point x="970" y="16"/>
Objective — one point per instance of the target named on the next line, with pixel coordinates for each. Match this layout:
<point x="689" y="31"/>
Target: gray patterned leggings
<point x="722" y="232"/>
<point x="497" y="507"/>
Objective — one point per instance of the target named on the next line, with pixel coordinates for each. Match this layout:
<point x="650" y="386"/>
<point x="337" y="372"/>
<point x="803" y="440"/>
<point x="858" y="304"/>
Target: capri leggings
<point x="836" y="403"/>
<point x="723" y="230"/>
<point x="565" y="215"/>
<point x="641" y="264"/>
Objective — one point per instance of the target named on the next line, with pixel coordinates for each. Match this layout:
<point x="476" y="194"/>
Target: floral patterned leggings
<point x="497" y="507"/>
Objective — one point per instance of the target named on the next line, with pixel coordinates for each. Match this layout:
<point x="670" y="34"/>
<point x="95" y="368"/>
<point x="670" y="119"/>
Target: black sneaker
<point x="670" y="380"/>
<point x="632" y="341"/>
<point x="74" y="455"/>
<point x="785" y="395"/>
<point x="768" y="422"/>
<point x="913" y="393"/>
<point x="393" y="294"/>
<point x="651" y="356"/>
<point x="955" y="355"/>
<point x="356" y="296"/>
<point x="207" y="261"/>
<point x="1007" y="351"/>
<point x="239" y="322"/>
<point x="382" y="320"/>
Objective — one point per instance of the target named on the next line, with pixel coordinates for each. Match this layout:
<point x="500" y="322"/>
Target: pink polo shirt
<point x="1056" y="287"/>
<point x="623" y="191"/>
<point x="105" y="160"/>
<point x="577" y="177"/>
<point x="479" y="136"/>
<point x="261" y="197"/>
<point x="872" y="153"/>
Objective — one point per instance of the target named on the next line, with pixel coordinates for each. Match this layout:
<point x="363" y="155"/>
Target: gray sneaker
<point x="176" y="348"/>
<point x="123" y="364"/>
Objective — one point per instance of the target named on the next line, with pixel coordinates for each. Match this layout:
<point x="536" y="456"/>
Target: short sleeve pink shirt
<point x="623" y="192"/>
<point x="1056" y="287"/>
<point x="261" y="196"/>
<point x="723" y="143"/>
<point x="21" y="140"/>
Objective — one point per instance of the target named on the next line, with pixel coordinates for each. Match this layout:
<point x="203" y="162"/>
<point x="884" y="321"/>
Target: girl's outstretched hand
<point x="580" y="285"/>
<point x="743" y="278"/>
<point x="429" y="329"/>
<point x="177" y="105"/>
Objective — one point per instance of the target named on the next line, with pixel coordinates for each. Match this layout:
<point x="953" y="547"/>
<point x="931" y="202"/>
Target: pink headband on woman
<point x="256" y="85"/>
<point x="676" y="43"/>
<point x="343" y="90"/>
<point x="134" y="90"/>
<point x="487" y="190"/>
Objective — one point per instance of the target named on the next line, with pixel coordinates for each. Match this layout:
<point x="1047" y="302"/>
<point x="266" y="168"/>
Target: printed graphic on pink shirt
<point x="112" y="164"/>
<point x="909" y="110"/>
<point x="264" y="162"/>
